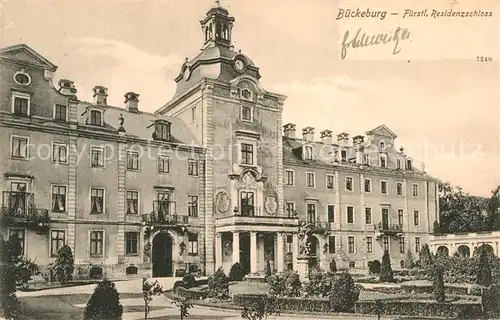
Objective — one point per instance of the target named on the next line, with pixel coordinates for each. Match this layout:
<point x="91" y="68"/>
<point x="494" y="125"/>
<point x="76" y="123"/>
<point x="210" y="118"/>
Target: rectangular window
<point x="193" y="244"/>
<point x="330" y="181"/>
<point x="400" y="217"/>
<point x="368" y="185"/>
<point x="163" y="164"/>
<point x="368" y="215"/>
<point x="348" y="183"/>
<point x="398" y="164"/>
<point x="96" y="200"/>
<point x="343" y="156"/>
<point x="132" y="160"/>
<point x="331" y="213"/>
<point x="386" y="244"/>
<point x="399" y="188"/>
<point x="367" y="160"/>
<point x="95" y="118"/>
<point x="57" y="238"/>
<point x="247" y="203"/>
<point x="20" y="235"/>
<point x="289" y="244"/>
<point x="308" y="153"/>
<point x="290" y="209"/>
<point x="162" y="131"/>
<point x="131" y="243"/>
<point x="193" y="206"/>
<point x="246" y="113"/>
<point x="369" y="244"/>
<point x="331" y="244"/>
<point x="415" y="190"/>
<point x="350" y="241"/>
<point x="417" y="244"/>
<point x="19" y="147"/>
<point x="383" y="187"/>
<point x="289" y="178"/>
<point x="96" y="243"/>
<point x="311" y="212"/>
<point x="247" y="154"/>
<point x="192" y="167"/>
<point x="21" y="106"/>
<point x="350" y="214"/>
<point x="97" y="157"/>
<point x="60" y="112"/>
<point x="59" y="153"/>
<point x="132" y="202"/>
<point x="408" y="165"/>
<point x="401" y="245"/>
<point x="416" y="218"/>
<point x="58" y="198"/>
<point x="310" y="179"/>
<point x="383" y="161"/>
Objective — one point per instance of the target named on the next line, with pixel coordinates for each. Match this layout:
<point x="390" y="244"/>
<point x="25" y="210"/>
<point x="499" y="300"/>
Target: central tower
<point x="217" y="27"/>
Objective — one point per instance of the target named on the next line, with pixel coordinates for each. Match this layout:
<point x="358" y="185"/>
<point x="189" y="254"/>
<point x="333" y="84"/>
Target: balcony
<point x="164" y="213"/>
<point x="322" y="227"/>
<point x="388" y="229"/>
<point x="19" y="208"/>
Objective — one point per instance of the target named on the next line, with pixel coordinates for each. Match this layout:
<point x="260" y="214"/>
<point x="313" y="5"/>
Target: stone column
<point x="236" y="247"/>
<point x="218" y="250"/>
<point x="253" y="252"/>
<point x="280" y="259"/>
<point x="295" y="250"/>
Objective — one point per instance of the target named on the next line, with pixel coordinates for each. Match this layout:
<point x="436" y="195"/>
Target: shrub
<point x="10" y="251"/>
<point x="286" y="284"/>
<point x="63" y="267"/>
<point x="425" y="257"/>
<point x="104" y="304"/>
<point x="260" y="308"/>
<point x="184" y="305"/>
<point x="333" y="266"/>
<point x="269" y="272"/>
<point x="218" y="285"/>
<point x="237" y="272"/>
<point x="386" y="274"/>
<point x="320" y="284"/>
<point x="374" y="266"/>
<point x="490" y="297"/>
<point x="344" y="294"/>
<point x="25" y="270"/>
<point x="475" y="290"/>
<point x="419" y="309"/>
<point x="438" y="284"/>
<point x="483" y="270"/>
<point x="409" y="262"/>
<point x="189" y="281"/>
<point x="149" y="290"/>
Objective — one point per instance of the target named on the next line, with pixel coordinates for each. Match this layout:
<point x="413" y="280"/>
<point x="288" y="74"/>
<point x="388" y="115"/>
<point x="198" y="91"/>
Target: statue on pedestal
<point x="305" y="235"/>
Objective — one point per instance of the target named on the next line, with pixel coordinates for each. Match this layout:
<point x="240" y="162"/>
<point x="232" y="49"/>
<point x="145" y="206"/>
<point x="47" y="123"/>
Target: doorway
<point x="162" y="255"/>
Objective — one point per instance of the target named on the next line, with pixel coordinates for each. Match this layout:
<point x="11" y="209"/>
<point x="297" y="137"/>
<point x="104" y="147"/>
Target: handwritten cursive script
<point x="364" y="40"/>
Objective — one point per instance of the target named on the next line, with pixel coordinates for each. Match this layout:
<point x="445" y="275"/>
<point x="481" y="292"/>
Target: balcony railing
<point x="388" y="228"/>
<point x="321" y="226"/>
<point x="164" y="212"/>
<point x="19" y="207"/>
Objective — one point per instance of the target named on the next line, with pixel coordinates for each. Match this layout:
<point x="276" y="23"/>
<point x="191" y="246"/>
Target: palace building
<point x="211" y="178"/>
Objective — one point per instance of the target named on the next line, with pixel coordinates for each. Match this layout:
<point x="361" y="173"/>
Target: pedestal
<point x="303" y="267"/>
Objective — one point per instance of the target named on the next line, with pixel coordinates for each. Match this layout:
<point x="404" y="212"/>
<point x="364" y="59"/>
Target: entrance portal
<point x="162" y="255"/>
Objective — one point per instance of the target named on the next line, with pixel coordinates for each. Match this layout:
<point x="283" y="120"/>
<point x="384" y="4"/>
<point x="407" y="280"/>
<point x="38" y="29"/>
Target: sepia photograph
<point x="249" y="159"/>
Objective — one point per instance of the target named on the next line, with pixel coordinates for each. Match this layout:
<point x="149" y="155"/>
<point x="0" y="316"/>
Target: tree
<point x="104" y="304"/>
<point x="344" y="293"/>
<point x="237" y="272"/>
<point x="374" y="267"/>
<point x="483" y="270"/>
<point x="64" y="265"/>
<point x="184" y="305"/>
<point x="409" y="262"/>
<point x="386" y="274"/>
<point x="10" y="251"/>
<point x="438" y="283"/>
<point x="425" y="257"/>
<point x="149" y="290"/>
<point x="260" y="309"/>
<point x="333" y="266"/>
<point x="493" y="210"/>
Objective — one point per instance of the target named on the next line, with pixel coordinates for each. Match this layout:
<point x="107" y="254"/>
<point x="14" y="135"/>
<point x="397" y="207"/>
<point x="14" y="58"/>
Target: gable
<point x="24" y="54"/>
<point x="382" y="130"/>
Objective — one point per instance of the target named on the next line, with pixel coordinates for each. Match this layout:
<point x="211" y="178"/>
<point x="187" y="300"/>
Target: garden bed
<point x="38" y="286"/>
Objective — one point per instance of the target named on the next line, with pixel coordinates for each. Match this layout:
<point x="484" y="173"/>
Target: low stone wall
<point x="111" y="271"/>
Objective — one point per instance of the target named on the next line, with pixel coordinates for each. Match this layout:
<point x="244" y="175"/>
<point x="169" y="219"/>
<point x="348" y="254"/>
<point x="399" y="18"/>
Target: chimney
<point x="131" y="102"/>
<point x="308" y="134"/>
<point x="289" y="130"/>
<point x="358" y="148"/>
<point x="67" y="88"/>
<point x="100" y="95"/>
<point x="326" y="137"/>
<point x="343" y="138"/>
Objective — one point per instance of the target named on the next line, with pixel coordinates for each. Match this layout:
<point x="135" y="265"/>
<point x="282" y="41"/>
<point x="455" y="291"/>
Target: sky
<point x="441" y="102"/>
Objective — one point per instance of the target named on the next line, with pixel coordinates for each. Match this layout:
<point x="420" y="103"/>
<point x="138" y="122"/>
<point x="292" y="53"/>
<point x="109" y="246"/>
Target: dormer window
<point x="343" y="156"/>
<point x="95" y="118"/>
<point x="246" y="113"/>
<point x="162" y="131"/>
<point x="383" y="161"/>
<point x="21" y="104"/>
<point x="246" y="94"/>
<point x="308" y="153"/>
<point x="409" y="165"/>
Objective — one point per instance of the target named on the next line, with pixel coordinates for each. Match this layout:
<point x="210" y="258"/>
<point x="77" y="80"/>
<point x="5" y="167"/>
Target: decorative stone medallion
<point x="271" y="205"/>
<point x="222" y="201"/>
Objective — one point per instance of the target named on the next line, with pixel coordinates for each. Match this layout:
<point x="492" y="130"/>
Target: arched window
<point x="225" y="32"/>
<point x="218" y="30"/>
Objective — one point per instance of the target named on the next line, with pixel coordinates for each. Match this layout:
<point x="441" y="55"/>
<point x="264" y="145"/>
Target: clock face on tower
<point x="239" y="65"/>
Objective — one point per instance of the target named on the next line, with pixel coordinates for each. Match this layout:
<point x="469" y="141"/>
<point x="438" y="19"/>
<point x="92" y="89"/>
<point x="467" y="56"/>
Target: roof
<point x="25" y="54"/>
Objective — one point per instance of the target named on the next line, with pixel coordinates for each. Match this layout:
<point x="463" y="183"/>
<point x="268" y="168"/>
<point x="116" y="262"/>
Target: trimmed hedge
<point x="420" y="308"/>
<point x="285" y="304"/>
<point x="191" y="294"/>
<point x="428" y="289"/>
